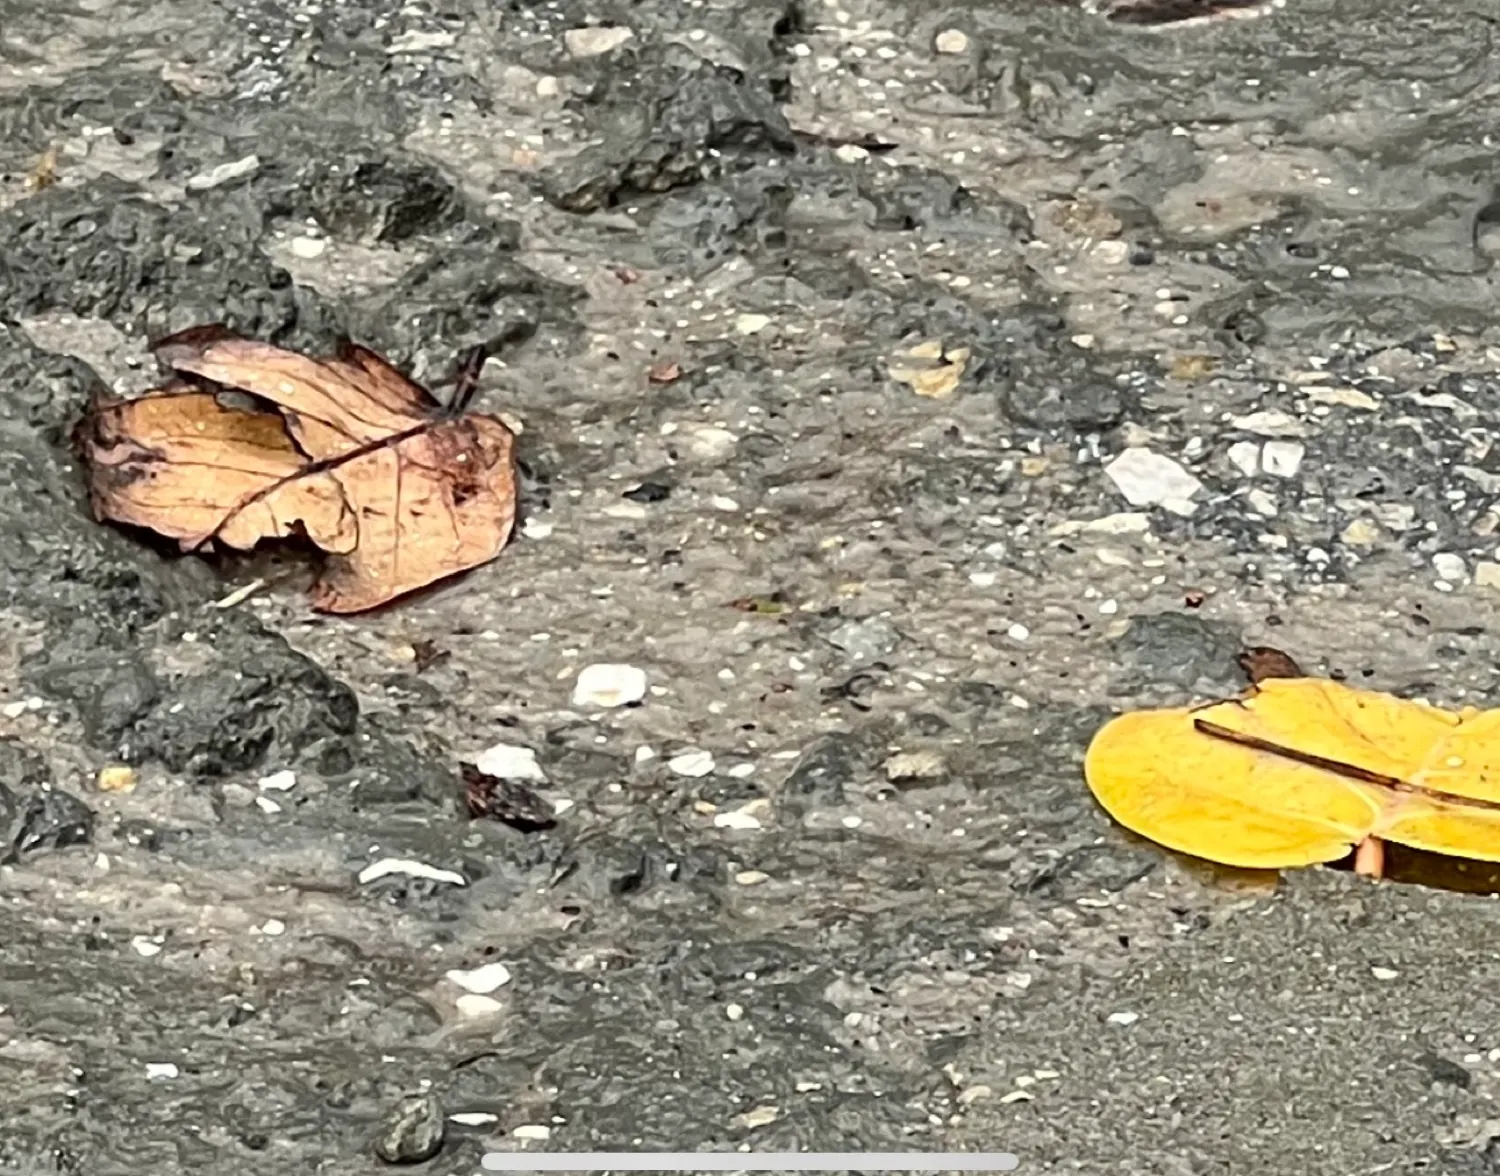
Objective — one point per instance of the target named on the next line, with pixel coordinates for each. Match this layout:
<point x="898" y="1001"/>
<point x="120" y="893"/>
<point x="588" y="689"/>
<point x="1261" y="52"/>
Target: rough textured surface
<point x="824" y="324"/>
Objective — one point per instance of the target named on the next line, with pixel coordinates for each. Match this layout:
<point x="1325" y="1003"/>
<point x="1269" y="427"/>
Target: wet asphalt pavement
<point x="904" y="389"/>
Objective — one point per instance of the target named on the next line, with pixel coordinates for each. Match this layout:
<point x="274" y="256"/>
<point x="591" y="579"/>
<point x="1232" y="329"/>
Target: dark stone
<point x="1060" y="391"/>
<point x="648" y="492"/>
<point x="828" y="766"/>
<point x="1179" y="650"/>
<point x="665" y="119"/>
<point x="413" y="1132"/>
<point x="52" y="819"/>
<point x="1444" y="1071"/>
<point x="103" y="250"/>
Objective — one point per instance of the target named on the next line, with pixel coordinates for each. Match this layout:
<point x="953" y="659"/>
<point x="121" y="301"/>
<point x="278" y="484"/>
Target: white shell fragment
<point x="410" y="868"/>
<point x="1149" y="479"/>
<point x="607" y="685"/>
<point x="481" y="980"/>
<point x="510" y="761"/>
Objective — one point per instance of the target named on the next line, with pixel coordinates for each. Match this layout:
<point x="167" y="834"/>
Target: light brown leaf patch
<point x="399" y="490"/>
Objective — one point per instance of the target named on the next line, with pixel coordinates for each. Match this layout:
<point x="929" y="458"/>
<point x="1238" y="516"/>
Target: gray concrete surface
<point x="1259" y="250"/>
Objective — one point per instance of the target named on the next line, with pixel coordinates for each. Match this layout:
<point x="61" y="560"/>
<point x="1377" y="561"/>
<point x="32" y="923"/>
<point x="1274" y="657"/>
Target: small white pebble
<point x="510" y="761"/>
<point x="1450" y="567"/>
<point x="694" y="764"/>
<point x="411" y="869"/>
<point x="161" y="1070"/>
<point x="482" y="980"/>
<point x="1384" y="973"/>
<point x="278" y="781"/>
<point x="734" y="1012"/>
<point x="1123" y="1018"/>
<point x="271" y="927"/>
<point x="532" y="1131"/>
<point x="308" y="248"/>
<point x="475" y="1005"/>
<point x="609" y="685"/>
<point x="145" y="946"/>
<point x="751" y="877"/>
<point x="736" y="820"/>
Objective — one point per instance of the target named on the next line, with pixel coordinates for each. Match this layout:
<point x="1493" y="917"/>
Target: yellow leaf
<point x="1299" y="771"/>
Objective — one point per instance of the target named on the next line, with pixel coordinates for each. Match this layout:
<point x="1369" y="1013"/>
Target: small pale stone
<point x="537" y="1131"/>
<point x="308" y="248"/>
<point x="752" y="324"/>
<point x="536" y="529"/>
<point x="475" y="1005"/>
<point x="693" y="763"/>
<point x="1262" y="504"/>
<point x="271" y="927"/>
<point x="609" y="685"/>
<point x="222" y="174"/>
<point x="759" y="1117"/>
<point x="1149" y="479"/>
<point x="850" y="153"/>
<point x="1486" y="574"/>
<point x="751" y="877"/>
<point x="1123" y="1018"/>
<point x="593" y="41"/>
<point x="1348" y="397"/>
<point x="1363" y="533"/>
<point x="1270" y="424"/>
<point x="418" y="41"/>
<point x="473" y="1118"/>
<point x="707" y="442"/>
<point x="280" y="781"/>
<point x="734" y="1012"/>
<point x="915" y="765"/>
<point x="1282" y="459"/>
<point x="411" y="869"/>
<point x="736" y="820"/>
<point x="951" y="41"/>
<point x="116" y="778"/>
<point x="161" y="1070"/>
<point x="481" y="980"/>
<point x="1450" y="567"/>
<point x="1245" y="456"/>
<point x="625" y="510"/>
<point x="510" y="761"/>
<point x="973" y="1094"/>
<point x="1129" y="522"/>
<point x="145" y="946"/>
<point x="267" y="805"/>
<point x="1384" y="973"/>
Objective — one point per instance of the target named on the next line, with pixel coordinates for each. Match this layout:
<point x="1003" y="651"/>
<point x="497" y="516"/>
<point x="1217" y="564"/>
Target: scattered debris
<point x="508" y="801"/>
<point x="930" y="369"/>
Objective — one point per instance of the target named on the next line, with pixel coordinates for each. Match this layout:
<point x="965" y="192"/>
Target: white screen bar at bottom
<point x="749" y="1162"/>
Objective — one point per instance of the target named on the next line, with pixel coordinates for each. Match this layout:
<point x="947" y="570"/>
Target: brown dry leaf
<point x="44" y="174"/>
<point x="180" y="463"/>
<point x="401" y="491"/>
<point x="663" y="373"/>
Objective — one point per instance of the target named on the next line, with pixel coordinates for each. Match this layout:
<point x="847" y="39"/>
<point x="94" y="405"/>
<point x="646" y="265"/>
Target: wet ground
<point x="827" y="328"/>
